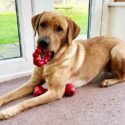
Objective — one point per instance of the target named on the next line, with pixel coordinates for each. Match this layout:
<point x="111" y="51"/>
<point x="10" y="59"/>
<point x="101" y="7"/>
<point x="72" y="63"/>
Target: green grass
<point x="8" y="28"/>
<point x="79" y="15"/>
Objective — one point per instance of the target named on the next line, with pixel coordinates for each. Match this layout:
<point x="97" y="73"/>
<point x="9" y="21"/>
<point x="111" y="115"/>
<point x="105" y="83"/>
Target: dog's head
<point x="54" y="30"/>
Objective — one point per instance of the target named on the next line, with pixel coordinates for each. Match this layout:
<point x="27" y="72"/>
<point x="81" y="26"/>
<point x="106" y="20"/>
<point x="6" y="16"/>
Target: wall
<point x="116" y="25"/>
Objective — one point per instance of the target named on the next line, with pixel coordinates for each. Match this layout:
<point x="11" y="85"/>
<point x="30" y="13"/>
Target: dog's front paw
<point x="105" y="83"/>
<point x="4" y="115"/>
<point x="8" y="113"/>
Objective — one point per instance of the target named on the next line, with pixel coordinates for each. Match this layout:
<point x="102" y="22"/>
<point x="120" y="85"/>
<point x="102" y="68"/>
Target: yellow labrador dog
<point x="75" y="61"/>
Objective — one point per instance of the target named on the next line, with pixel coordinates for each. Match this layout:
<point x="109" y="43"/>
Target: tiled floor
<point x="9" y="51"/>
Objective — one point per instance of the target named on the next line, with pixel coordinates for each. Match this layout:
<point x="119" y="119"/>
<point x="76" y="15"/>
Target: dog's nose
<point x="44" y="42"/>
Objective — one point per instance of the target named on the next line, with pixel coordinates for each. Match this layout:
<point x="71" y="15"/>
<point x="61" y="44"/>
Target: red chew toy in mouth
<point x="41" y="56"/>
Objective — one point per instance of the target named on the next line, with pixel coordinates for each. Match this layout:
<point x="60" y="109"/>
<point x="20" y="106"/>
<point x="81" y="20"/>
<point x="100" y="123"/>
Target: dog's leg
<point x="56" y="88"/>
<point x="25" y="89"/>
<point x="109" y="82"/>
<point x="49" y="96"/>
<point x="118" y="66"/>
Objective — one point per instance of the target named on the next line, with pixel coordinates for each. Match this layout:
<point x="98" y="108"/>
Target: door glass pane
<point x="9" y="35"/>
<point x="75" y="9"/>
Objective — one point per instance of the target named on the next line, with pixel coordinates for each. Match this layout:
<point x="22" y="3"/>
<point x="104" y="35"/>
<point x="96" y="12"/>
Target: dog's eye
<point x="43" y="25"/>
<point x="59" y="29"/>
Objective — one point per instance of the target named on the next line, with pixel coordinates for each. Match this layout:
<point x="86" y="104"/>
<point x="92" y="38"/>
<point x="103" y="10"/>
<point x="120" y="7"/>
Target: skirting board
<point x="15" y="75"/>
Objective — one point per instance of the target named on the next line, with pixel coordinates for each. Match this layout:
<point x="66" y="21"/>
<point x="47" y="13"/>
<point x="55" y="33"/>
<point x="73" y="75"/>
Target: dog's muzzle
<point x="44" y="42"/>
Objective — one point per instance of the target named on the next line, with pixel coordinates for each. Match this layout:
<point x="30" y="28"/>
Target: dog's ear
<point x="73" y="30"/>
<point x="35" y="21"/>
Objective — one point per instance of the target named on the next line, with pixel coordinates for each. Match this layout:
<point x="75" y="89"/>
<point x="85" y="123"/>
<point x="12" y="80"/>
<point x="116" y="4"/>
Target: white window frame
<point x="15" y="68"/>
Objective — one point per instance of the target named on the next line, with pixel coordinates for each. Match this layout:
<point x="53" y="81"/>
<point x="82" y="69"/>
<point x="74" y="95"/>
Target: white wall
<point x="116" y="25"/>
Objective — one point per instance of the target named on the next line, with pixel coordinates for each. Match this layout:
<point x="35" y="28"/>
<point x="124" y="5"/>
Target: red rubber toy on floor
<point x="69" y="90"/>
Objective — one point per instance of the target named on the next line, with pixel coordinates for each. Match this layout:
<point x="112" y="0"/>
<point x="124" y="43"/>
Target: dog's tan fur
<point x="78" y="62"/>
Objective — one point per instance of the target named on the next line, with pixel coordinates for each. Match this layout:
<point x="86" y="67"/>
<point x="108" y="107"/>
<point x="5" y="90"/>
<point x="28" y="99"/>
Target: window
<point x="9" y="35"/>
<point x="76" y="10"/>
<point x="11" y="67"/>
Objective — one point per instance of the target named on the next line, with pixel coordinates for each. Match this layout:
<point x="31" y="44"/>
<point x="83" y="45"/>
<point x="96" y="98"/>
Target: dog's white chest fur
<point x="78" y="83"/>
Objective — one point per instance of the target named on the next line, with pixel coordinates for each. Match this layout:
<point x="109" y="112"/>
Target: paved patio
<point x="9" y="51"/>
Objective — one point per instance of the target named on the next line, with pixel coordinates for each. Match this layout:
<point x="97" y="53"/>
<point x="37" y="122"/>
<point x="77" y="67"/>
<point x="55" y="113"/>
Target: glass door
<point x="10" y="46"/>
